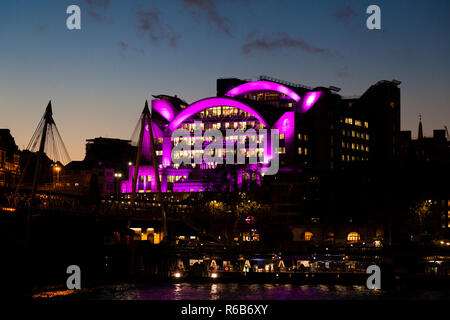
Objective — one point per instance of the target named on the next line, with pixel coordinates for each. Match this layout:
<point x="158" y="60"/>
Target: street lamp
<point x="118" y="176"/>
<point x="57" y="170"/>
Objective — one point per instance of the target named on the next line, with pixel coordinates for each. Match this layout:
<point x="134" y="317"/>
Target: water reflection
<point x="235" y="291"/>
<point x="215" y="294"/>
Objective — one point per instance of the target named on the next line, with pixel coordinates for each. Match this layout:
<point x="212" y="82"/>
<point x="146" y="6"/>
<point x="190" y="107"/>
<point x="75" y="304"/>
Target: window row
<point x="222" y="112"/>
<point x="355" y="134"/>
<point x="355" y="122"/>
<point x="353" y="158"/>
<point x="351" y="237"/>
<point x="355" y="146"/>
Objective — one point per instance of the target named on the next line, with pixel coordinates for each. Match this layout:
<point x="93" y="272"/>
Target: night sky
<point x="99" y="77"/>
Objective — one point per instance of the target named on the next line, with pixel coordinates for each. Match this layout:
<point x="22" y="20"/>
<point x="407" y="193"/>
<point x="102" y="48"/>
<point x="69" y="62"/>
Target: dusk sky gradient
<point x="99" y="77"/>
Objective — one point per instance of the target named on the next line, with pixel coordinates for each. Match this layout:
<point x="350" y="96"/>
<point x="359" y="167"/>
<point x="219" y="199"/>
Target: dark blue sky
<point x="99" y="77"/>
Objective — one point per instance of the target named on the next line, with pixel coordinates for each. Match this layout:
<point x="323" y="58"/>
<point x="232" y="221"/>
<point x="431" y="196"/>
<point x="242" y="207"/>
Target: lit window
<point x="282" y="150"/>
<point x="366" y="124"/>
<point x="308" y="236"/>
<point x="353" y="134"/>
<point x="300" y="150"/>
<point x="306" y="151"/>
<point x="306" y="137"/>
<point x="353" y="146"/>
<point x="300" y="136"/>
<point x="353" y="236"/>
<point x="367" y="148"/>
<point x="281" y="136"/>
<point x="358" y="123"/>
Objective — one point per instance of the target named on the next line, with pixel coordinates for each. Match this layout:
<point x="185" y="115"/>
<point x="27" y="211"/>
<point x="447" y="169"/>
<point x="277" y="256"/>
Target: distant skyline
<point x="99" y="77"/>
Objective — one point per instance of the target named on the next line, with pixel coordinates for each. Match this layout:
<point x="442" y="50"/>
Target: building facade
<point x="9" y="160"/>
<point x="319" y="130"/>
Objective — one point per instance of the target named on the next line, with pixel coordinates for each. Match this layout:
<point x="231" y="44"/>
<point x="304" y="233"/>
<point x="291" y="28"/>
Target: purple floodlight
<point x="310" y="99"/>
<point x="262" y="86"/>
<point x="164" y="108"/>
<point x="200" y="105"/>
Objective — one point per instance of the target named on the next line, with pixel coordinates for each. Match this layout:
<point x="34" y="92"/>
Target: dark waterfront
<point x="235" y="291"/>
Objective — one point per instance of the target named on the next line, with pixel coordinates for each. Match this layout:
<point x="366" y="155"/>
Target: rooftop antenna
<point x="420" y="134"/>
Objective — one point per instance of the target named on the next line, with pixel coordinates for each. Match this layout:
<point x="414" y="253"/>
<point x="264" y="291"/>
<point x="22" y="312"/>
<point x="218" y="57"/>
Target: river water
<point x="234" y="291"/>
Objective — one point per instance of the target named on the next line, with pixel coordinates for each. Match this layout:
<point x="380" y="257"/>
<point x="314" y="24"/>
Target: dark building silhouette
<point x="425" y="151"/>
<point x="427" y="160"/>
<point x="9" y="160"/>
<point x="85" y="175"/>
<point x="105" y="163"/>
<point x="110" y="153"/>
<point x="47" y="174"/>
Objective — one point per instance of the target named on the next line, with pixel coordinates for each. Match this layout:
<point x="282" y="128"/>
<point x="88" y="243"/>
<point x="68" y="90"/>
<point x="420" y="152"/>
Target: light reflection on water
<point x="234" y="291"/>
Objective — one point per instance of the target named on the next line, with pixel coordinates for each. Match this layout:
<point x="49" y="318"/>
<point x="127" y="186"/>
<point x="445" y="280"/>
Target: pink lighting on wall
<point x="262" y="86"/>
<point x="201" y="105"/>
<point x="146" y="145"/>
<point x="310" y="99"/>
<point x="285" y="124"/>
<point x="164" y="108"/>
<point x="167" y="152"/>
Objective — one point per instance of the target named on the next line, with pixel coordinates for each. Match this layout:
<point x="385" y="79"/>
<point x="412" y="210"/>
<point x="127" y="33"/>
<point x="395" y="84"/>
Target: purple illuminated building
<point x="319" y="130"/>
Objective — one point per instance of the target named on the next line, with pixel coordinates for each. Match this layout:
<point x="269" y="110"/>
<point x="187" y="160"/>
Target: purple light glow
<point x="310" y="99"/>
<point x="200" y="105"/>
<point x="164" y="108"/>
<point x="262" y="86"/>
<point x="167" y="152"/>
<point x="286" y="125"/>
<point x="190" y="186"/>
<point x="146" y="145"/>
